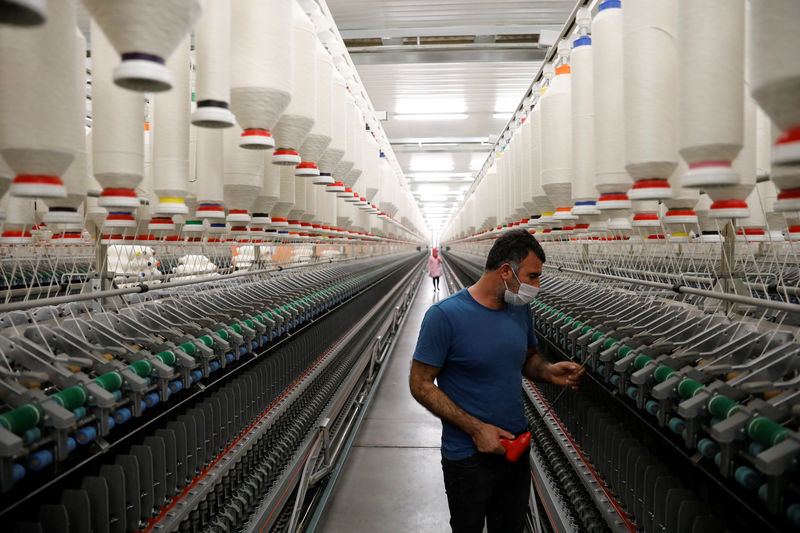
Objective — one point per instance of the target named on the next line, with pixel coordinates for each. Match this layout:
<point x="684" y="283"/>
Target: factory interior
<point x="216" y="230"/>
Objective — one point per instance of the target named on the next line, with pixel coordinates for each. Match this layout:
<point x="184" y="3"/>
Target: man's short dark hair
<point x="513" y="247"/>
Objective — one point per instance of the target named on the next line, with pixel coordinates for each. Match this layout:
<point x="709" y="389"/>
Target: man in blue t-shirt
<point x="473" y="350"/>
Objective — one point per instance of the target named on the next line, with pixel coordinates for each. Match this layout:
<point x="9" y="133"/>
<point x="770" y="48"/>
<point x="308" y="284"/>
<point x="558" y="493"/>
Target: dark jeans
<point x="435" y="282"/>
<point x="487" y="487"/>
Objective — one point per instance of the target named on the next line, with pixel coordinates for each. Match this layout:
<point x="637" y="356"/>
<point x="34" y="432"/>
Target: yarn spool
<point x="556" y="105"/>
<point x="171" y="137"/>
<point x="335" y="151"/>
<point x="612" y="181"/>
<point x="243" y="178"/>
<point x="752" y="227"/>
<point x="711" y="90"/>
<point x="23" y="12"/>
<point x="145" y="33"/>
<point x="731" y="201"/>
<point x="269" y="195"/>
<point x="37" y="102"/>
<point x="213" y="52"/>
<point x="210" y="169"/>
<point x="680" y="208"/>
<point x="538" y="196"/>
<point x="358" y="151"/>
<point x="346" y="163"/>
<point x="286" y="199"/>
<point x="261" y="67"/>
<point x="298" y="119"/>
<point x="645" y="218"/>
<point x="584" y="193"/>
<point x="117" y="138"/>
<point x="526" y="185"/>
<point x="20" y="218"/>
<point x="321" y="133"/>
<point x="709" y="227"/>
<point x="651" y="97"/>
<point x="299" y="208"/>
<point x="776" y="221"/>
<point x="310" y="214"/>
<point x="65" y="210"/>
<point x="518" y="162"/>
<point x="6" y="175"/>
<point x="775" y="75"/>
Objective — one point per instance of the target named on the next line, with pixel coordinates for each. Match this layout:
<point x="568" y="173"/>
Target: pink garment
<point x="434" y="267"/>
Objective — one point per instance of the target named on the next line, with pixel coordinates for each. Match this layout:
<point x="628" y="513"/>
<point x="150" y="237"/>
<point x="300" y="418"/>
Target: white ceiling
<point x="482" y="80"/>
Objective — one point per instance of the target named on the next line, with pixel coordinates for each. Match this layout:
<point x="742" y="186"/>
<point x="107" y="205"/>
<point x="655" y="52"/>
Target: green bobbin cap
<point x="167" y="357"/>
<point x="110" y="382"/>
<point x="662" y="373"/>
<point x="689" y="387"/>
<point x="721" y="406"/>
<point x="189" y="348"/>
<point x="71" y="398"/>
<point x="141" y="368"/>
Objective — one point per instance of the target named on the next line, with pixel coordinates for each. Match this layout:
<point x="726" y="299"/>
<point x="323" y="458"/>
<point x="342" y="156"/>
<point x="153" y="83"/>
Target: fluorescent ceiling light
<point x="420" y="105"/>
<point x="502" y="116"/>
<point x="433" y="116"/>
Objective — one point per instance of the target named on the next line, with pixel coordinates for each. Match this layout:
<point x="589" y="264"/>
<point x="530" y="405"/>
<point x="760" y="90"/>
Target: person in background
<point x="473" y="351"/>
<point x="434" y="268"/>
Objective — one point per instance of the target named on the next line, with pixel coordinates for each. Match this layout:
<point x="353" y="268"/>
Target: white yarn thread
<point x="539" y="197"/>
<point x="609" y="106"/>
<point x="261" y="61"/>
<point x="768" y="195"/>
<point x="37" y="93"/>
<point x="20" y="214"/>
<point x="152" y="27"/>
<point x="213" y="52"/>
<point x="650" y="88"/>
<point x="298" y="119"/>
<point x="322" y="132"/>
<point x="243" y="171"/>
<point x="117" y="122"/>
<point x="348" y="159"/>
<point x="76" y="176"/>
<point x="299" y="208"/>
<point x="286" y="199"/>
<point x="311" y="203"/>
<point x="681" y="196"/>
<point x="519" y="205"/>
<point x="774" y="69"/>
<point x="583" y="189"/>
<point x="271" y="189"/>
<point x="557" y="140"/>
<point x="171" y="136"/>
<point x="210" y="166"/>
<point x="358" y="160"/>
<point x="335" y="151"/>
<point x="526" y="184"/>
<point x="711" y="75"/>
<point x="372" y="169"/>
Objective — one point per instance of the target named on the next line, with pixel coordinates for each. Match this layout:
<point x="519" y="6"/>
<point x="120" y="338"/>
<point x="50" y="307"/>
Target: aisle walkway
<point x="392" y="480"/>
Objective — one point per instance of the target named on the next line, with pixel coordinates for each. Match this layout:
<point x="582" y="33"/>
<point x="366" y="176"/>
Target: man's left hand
<point x="566" y="373"/>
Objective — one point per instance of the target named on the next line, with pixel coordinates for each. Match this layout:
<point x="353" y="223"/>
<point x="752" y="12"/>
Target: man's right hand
<point x="487" y="438"/>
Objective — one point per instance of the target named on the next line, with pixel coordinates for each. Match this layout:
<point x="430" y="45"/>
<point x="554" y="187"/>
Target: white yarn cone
<point x="298" y="119"/>
<point x="244" y="176"/>
<point x="584" y="193"/>
<point x="213" y="48"/>
<point x="611" y="179"/>
<point x="117" y="138"/>
<point x="261" y="67"/>
<point x="776" y="223"/>
<point x="544" y="207"/>
<point x="20" y="218"/>
<point x="358" y="150"/>
<point x="37" y="101"/>
<point x="210" y="170"/>
<point x="23" y="12"/>
<point x="286" y="200"/>
<point x="520" y="211"/>
<point x="711" y="88"/>
<point x="775" y="75"/>
<point x="347" y="161"/>
<point x="6" y="175"/>
<point x="321" y="134"/>
<point x="171" y="137"/>
<point x="270" y="192"/>
<point x="651" y="96"/>
<point x="680" y="213"/>
<point x="65" y="210"/>
<point x="556" y="105"/>
<point x="145" y="33"/>
<point x="752" y="227"/>
<point x="299" y="208"/>
<point x="335" y="151"/>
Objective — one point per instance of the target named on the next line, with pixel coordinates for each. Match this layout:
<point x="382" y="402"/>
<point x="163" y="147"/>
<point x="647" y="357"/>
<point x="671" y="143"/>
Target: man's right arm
<point x="421" y="381"/>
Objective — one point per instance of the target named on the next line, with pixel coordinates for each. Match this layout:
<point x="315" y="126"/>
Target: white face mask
<point x="525" y="295"/>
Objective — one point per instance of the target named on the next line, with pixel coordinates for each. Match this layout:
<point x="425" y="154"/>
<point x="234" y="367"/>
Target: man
<point x="477" y="345"/>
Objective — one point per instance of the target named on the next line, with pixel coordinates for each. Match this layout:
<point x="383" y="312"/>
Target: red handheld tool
<point x="516" y="447"/>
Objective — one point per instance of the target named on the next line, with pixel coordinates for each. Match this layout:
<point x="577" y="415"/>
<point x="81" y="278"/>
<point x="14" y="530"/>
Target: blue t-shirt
<point x="481" y="352"/>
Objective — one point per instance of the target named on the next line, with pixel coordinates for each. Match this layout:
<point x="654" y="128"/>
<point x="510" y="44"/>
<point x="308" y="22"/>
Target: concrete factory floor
<point x="392" y="480"/>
